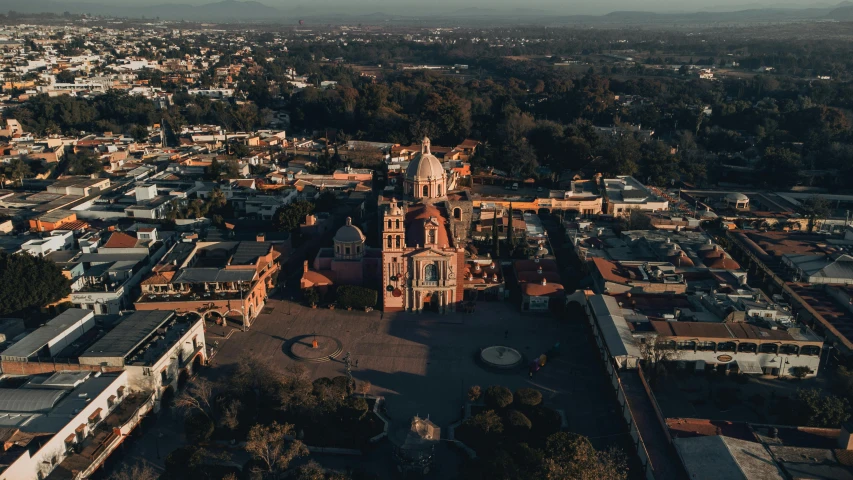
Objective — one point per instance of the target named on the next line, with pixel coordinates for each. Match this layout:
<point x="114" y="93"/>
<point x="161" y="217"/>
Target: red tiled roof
<point x="313" y="278"/>
<point x="532" y="265"/>
<point x="698" y="427"/>
<point x="161" y="278"/>
<point x="120" y="240"/>
<point x="539" y="290"/>
<point x="417" y="217"/>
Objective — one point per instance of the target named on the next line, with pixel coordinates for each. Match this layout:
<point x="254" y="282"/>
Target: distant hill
<point x="843" y="13"/>
<point x="226" y="10"/>
<point x="248" y="11"/>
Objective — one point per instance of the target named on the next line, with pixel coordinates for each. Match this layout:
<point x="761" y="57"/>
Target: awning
<point x="749" y="367"/>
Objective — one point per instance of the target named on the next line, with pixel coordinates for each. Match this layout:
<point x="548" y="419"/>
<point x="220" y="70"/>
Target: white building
<point x="56" y="241"/>
<point x="66" y="424"/>
<point x="157" y="349"/>
<point x="625" y="193"/>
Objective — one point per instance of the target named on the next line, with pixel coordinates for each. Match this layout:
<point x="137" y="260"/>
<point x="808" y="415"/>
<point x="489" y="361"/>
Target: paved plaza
<point x="423" y="364"/>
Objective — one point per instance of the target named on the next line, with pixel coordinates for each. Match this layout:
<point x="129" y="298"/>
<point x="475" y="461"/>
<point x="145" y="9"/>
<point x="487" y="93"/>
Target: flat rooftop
<point x="129" y="334"/>
<point x="35" y="341"/>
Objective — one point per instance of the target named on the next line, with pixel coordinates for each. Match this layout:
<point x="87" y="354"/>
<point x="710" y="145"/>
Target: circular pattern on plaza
<point x="499" y="356"/>
<point x="303" y="348"/>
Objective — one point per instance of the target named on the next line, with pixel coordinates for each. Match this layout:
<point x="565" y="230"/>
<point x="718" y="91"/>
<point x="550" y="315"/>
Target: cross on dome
<point x="425" y="146"/>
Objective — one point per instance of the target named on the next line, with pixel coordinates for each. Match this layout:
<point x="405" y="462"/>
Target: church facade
<point x="422" y="263"/>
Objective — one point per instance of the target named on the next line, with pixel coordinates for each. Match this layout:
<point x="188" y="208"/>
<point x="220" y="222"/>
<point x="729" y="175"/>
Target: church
<point x="422" y="263"/>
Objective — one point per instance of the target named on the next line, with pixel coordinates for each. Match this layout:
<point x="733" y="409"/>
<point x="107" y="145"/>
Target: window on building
<point x="430" y="273"/>
<point x="398" y="224"/>
<point x="457" y="213"/>
<point x="399" y="241"/>
<point x="432" y="236"/>
<point x="347" y="250"/>
<point x="389" y="241"/>
<point x="439" y="190"/>
<point x="426" y="191"/>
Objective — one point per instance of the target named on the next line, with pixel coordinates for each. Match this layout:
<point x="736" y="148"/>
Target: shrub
<point x="545" y="421"/>
<point x="198" y="427"/>
<point x="487" y="422"/>
<point x="311" y="296"/>
<point x="498" y="397"/>
<point x="474" y="393"/>
<point x="518" y="421"/>
<point x="529" y="397"/>
<point x="801" y="372"/>
<point x="353" y="296"/>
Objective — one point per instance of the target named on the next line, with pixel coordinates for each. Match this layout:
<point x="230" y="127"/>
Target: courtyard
<point x="423" y="364"/>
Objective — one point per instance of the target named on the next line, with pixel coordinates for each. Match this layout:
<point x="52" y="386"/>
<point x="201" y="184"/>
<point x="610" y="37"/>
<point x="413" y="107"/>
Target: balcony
<point x="106" y="437"/>
<point x="195" y="294"/>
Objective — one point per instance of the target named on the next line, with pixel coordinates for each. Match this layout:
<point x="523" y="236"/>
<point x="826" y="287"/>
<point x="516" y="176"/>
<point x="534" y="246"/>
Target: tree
<point x="137" y="471"/>
<point x="811" y="407"/>
<point x="364" y="387"/>
<point x="815" y="208"/>
<point x="198" y="427"/>
<point x="231" y="169"/>
<point x="568" y="455"/>
<point x="518" y="422"/>
<point x="780" y="167"/>
<point x="498" y="397"/>
<point x="495" y="239"/>
<point x="655" y="355"/>
<point x="29" y="282"/>
<point x="289" y="217"/>
<point x="82" y="163"/>
<point x="528" y="396"/>
<point x="509" y="232"/>
<point x="311" y="296"/>
<point x="198" y="397"/>
<point x="214" y="171"/>
<point x="801" y="372"/>
<point x="326" y="202"/>
<point x="474" y="393"/>
<point x="18" y="169"/>
<point x="268" y="445"/>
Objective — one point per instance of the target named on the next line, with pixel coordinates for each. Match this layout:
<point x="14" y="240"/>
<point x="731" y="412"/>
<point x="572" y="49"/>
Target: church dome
<point x="349" y="233"/>
<point x="425" y="165"/>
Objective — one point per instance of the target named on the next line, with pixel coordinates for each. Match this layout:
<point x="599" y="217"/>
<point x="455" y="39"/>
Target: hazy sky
<point x="439" y="7"/>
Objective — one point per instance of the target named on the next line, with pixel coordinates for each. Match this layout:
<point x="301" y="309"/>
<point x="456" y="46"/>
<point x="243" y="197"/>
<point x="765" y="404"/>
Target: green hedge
<point x="352" y="296"/>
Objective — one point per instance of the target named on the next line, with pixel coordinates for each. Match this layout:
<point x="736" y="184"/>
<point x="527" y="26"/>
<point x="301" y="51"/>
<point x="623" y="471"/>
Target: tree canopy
<point x="29" y="282"/>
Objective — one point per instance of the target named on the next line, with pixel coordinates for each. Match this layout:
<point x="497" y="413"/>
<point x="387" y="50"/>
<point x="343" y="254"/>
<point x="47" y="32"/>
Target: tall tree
<point x="510" y="233"/>
<point x="29" y="282"/>
<point x="815" y="208"/>
<point x="270" y="447"/>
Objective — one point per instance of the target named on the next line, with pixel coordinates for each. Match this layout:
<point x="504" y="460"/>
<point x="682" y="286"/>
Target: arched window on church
<point x="389" y="241"/>
<point x="457" y="213"/>
<point x="430" y="273"/>
<point x="398" y="224"/>
<point x="432" y="236"/>
<point x="426" y="190"/>
<point x="389" y="223"/>
<point x="439" y="190"/>
<point x="398" y="241"/>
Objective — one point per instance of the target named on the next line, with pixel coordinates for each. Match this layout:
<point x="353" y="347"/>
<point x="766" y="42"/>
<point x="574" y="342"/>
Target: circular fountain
<point x="499" y="356"/>
<point x="313" y="348"/>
